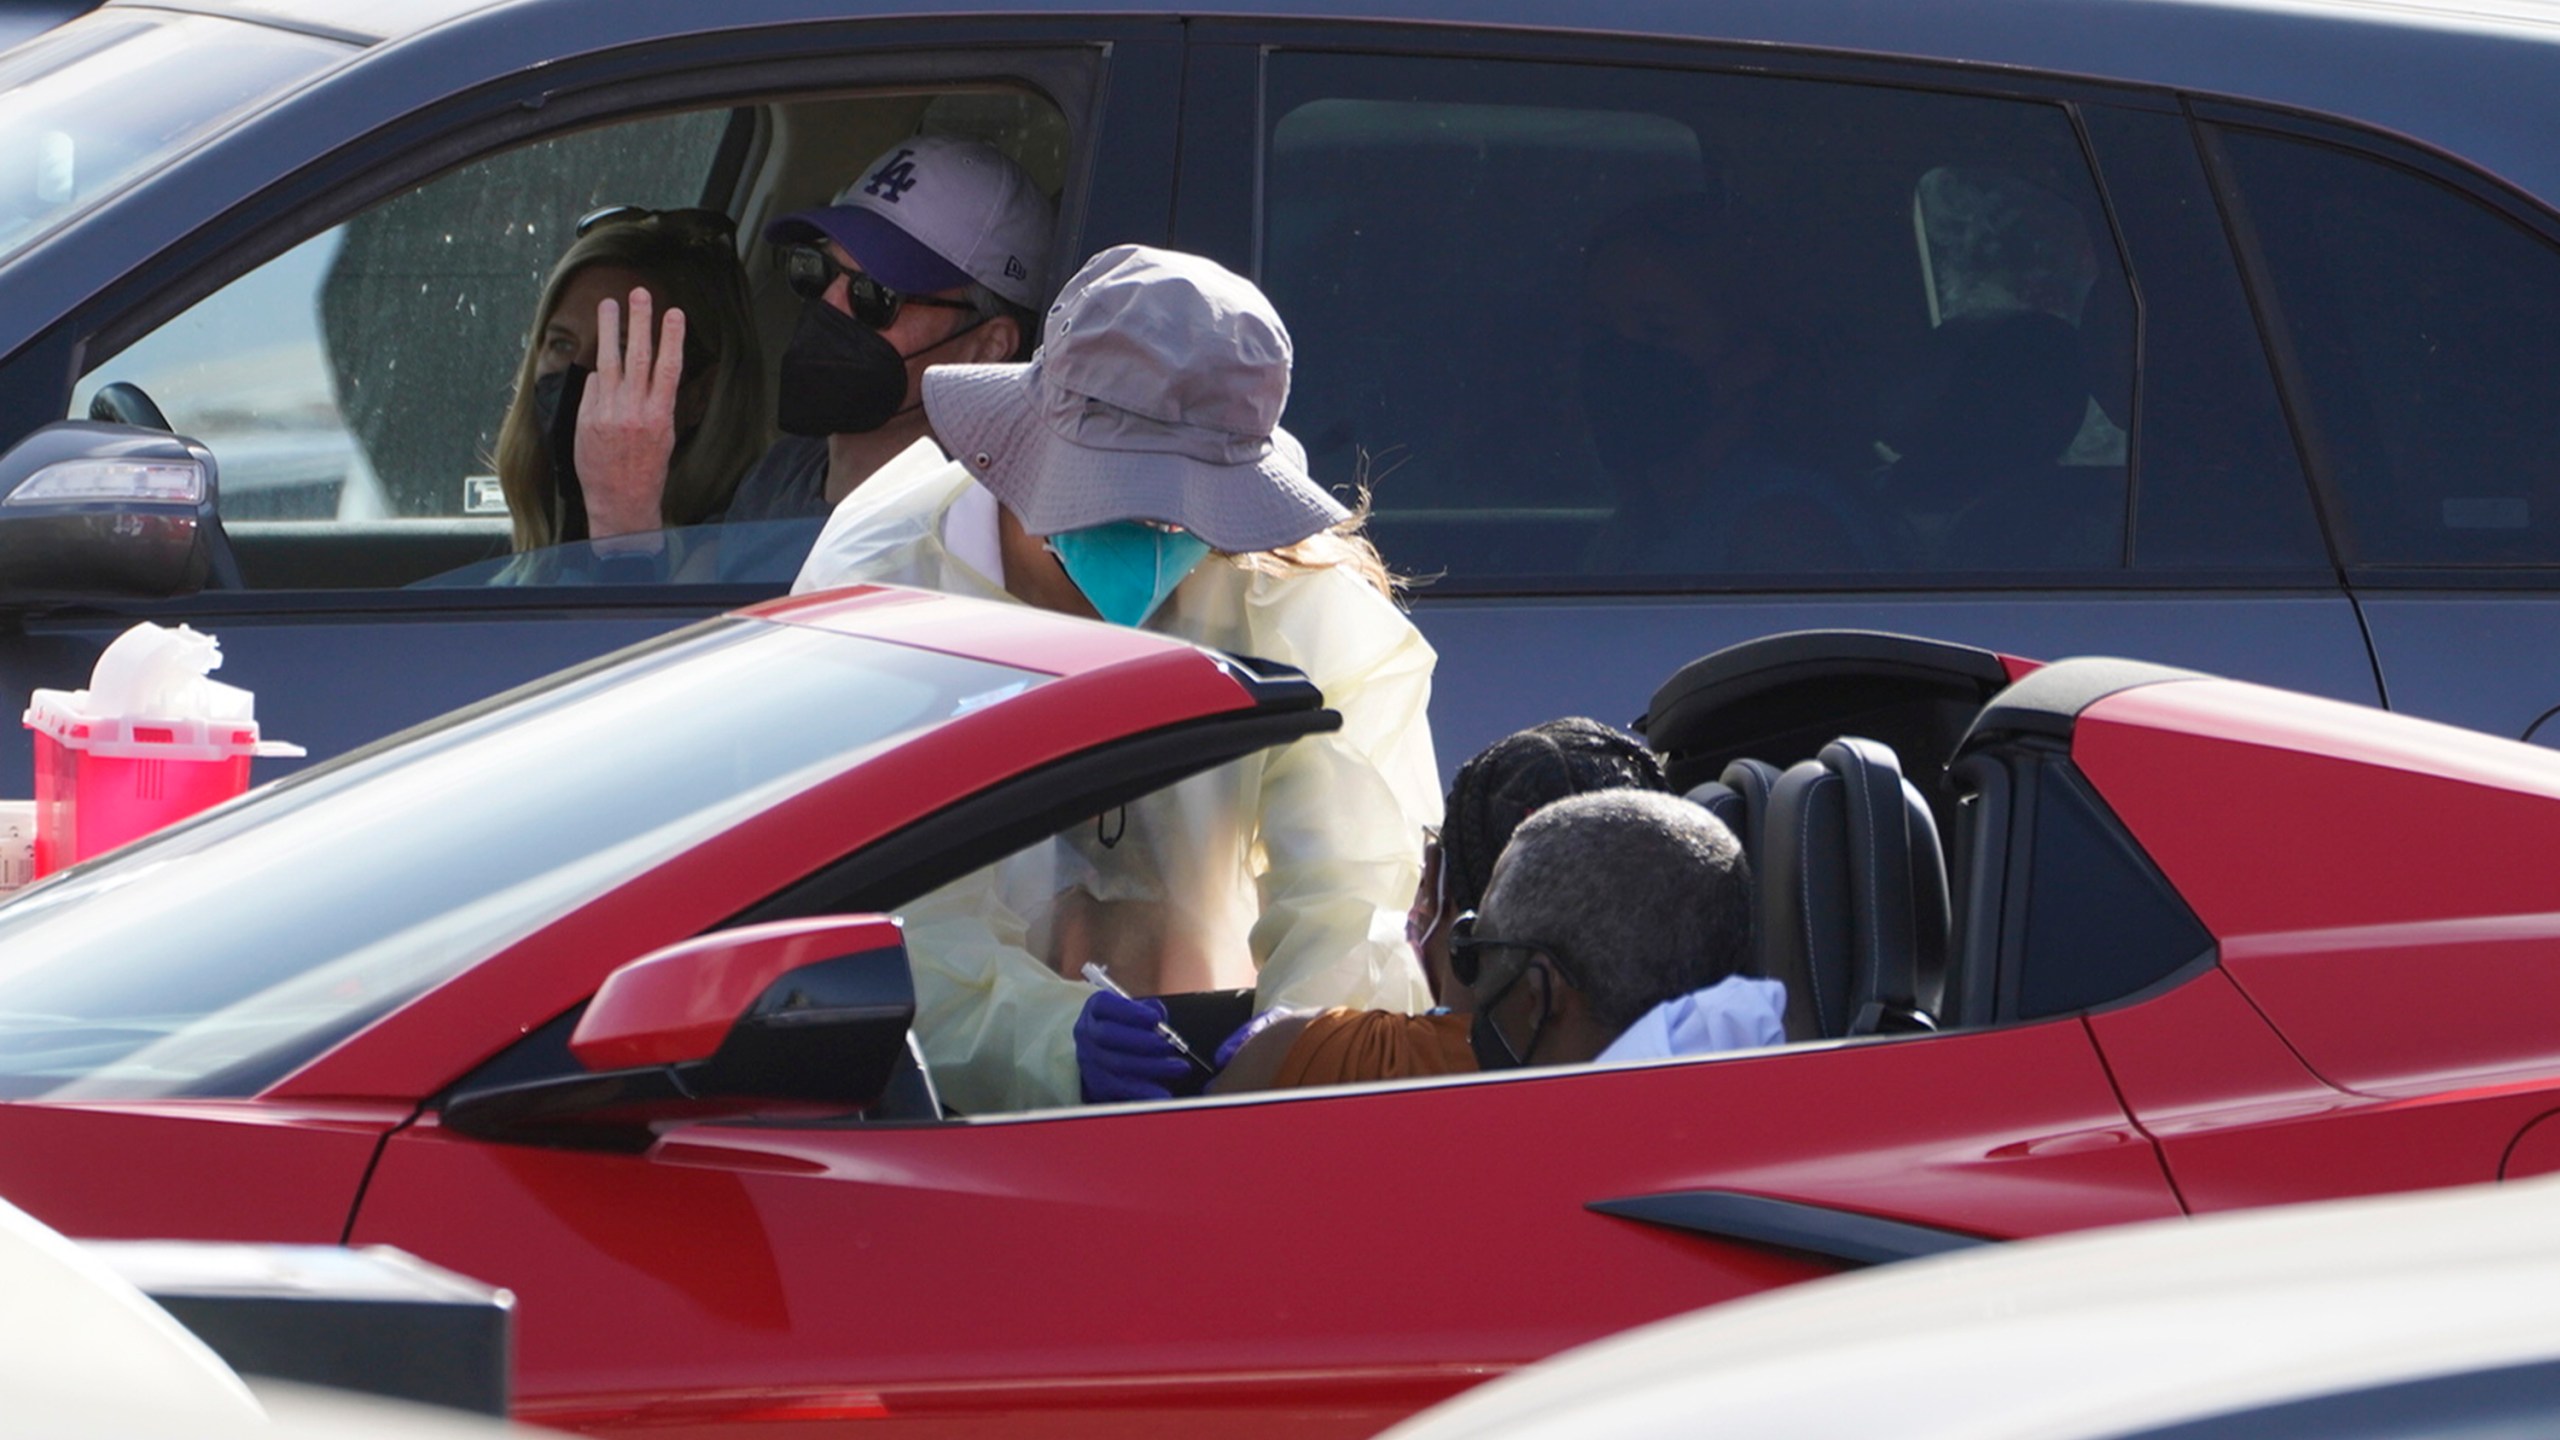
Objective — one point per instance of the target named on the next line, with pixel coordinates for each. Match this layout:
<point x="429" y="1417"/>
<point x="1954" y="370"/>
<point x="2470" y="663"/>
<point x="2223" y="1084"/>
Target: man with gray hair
<point x="1616" y="927"/>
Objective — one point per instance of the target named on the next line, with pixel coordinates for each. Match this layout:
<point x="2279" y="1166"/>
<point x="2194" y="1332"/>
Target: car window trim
<point x="2387" y="148"/>
<point x="1419" y="41"/>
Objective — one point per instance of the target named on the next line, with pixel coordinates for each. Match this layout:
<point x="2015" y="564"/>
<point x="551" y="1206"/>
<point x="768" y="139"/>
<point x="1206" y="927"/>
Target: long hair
<point x="1346" y="544"/>
<point x="700" y="275"/>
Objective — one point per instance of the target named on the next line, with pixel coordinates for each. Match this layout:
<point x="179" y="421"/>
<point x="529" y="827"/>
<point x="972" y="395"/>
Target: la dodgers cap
<point x="935" y="213"/>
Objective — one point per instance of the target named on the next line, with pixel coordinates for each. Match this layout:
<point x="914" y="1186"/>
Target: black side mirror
<point x="795" y="1018"/>
<point x="99" y="511"/>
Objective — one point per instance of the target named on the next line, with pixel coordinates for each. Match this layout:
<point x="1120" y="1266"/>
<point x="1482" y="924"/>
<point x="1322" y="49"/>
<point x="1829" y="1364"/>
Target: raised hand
<point x="627" y="421"/>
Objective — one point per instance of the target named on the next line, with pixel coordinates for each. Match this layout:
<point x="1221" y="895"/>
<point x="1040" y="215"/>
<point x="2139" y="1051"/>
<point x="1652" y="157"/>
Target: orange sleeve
<point x="1340" y="1047"/>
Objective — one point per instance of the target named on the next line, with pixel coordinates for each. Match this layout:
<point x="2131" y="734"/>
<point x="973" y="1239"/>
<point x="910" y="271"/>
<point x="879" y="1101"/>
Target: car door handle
<point x="1845" y="1237"/>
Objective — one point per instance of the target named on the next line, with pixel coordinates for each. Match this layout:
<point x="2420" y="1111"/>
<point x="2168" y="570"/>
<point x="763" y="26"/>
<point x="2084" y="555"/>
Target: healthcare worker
<point x="1135" y="470"/>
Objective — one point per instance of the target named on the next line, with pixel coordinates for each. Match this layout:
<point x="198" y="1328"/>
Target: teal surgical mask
<point x="1127" y="567"/>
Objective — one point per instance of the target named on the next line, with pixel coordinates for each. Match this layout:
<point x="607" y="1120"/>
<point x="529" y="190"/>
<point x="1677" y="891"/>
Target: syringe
<point x="1094" y="972"/>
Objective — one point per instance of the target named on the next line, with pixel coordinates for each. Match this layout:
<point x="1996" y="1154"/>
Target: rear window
<point x="1624" y="329"/>
<point x="2425" y="331"/>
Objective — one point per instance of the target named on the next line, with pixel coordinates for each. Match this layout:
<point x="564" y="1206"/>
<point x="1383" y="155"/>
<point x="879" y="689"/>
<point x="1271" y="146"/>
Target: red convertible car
<point x="587" y="991"/>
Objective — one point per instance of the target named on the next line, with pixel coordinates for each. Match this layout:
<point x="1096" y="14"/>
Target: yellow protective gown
<point x="1289" y="870"/>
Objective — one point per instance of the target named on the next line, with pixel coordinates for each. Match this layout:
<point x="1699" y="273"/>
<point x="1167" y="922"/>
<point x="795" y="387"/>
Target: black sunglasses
<point x="693" y="224"/>
<point x="1466" y="951"/>
<point x="810" y="270"/>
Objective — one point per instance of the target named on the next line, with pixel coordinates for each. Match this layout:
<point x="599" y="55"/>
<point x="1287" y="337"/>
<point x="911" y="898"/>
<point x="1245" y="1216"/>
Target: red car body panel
<point x="2387" y="921"/>
<point x="2375" y="860"/>
<point x="192" y="1169"/>
<point x="1346" y="1254"/>
<point x="1320" y="1263"/>
<point x="2240" y="1121"/>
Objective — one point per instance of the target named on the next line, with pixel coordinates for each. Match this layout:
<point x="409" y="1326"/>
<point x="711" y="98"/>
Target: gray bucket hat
<point x="1156" y="395"/>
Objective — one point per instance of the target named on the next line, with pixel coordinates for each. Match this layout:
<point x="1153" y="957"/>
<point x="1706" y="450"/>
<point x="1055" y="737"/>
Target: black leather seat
<point x="1853" y="895"/>
<point x="1741" y="801"/>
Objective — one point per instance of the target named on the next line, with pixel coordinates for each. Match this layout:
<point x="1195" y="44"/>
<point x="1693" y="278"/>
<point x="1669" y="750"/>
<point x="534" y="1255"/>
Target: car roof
<point x="2475" y="79"/>
<point x="2102" y="1333"/>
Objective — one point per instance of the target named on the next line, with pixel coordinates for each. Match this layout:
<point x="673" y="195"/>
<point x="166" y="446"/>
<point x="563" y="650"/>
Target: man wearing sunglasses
<point x="1616" y="927"/>
<point x="934" y="256"/>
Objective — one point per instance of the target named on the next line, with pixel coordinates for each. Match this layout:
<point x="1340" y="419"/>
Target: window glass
<point x="2222" y="484"/>
<point x="108" y="98"/>
<point x="2426" y="329"/>
<point x="361" y="376"/>
<point x="364" y="882"/>
<point x="1615" y="328"/>
<point x="2101" y="921"/>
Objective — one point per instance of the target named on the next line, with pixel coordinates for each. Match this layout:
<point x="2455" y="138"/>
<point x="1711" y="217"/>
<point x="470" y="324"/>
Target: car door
<point x="1999" y="379"/>
<point x="1314" y="1264"/>
<point x="1310" y="1263"/>
<point x="345" y="339"/>
<point x="2418" y="307"/>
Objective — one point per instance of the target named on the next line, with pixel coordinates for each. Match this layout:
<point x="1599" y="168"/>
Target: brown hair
<point x="700" y="275"/>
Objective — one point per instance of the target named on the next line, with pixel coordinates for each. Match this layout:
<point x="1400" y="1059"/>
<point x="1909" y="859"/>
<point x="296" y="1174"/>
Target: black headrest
<point x="1853" y="895"/>
<point x="1741" y="800"/>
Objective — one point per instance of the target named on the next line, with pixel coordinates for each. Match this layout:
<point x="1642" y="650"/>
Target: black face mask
<point x="555" y="406"/>
<point x="1493" y="1050"/>
<point x="839" y="376"/>
<point x="1645" y="402"/>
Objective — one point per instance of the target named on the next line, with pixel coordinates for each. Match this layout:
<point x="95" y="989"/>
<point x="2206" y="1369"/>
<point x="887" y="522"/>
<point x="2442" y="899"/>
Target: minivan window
<point x="107" y="98"/>
<point x="1593" y="328"/>
<point x="2425" y="333"/>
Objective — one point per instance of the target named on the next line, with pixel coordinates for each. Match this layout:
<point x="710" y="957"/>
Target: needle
<point x="1094" y="972"/>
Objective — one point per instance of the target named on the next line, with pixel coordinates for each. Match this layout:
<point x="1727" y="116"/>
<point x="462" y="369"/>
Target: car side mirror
<point x="796" y="1017"/>
<point x="97" y="511"/>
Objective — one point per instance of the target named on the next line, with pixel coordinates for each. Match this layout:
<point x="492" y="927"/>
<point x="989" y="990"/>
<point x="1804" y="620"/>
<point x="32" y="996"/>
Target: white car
<point x="2430" y="1315"/>
<point x="86" y="1356"/>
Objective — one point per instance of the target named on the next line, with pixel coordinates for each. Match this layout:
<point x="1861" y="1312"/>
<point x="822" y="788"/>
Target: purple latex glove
<point x="1119" y="1055"/>
<point x="1255" y="1026"/>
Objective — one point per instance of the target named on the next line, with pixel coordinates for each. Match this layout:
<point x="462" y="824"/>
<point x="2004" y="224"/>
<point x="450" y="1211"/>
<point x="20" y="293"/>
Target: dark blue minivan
<point x="2219" y="334"/>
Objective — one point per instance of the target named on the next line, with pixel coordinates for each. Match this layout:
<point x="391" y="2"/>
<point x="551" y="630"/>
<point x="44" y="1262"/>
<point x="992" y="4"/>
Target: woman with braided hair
<point x="1493" y="792"/>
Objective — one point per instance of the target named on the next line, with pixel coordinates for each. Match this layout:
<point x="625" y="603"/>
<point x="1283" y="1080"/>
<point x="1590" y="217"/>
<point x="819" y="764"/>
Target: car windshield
<point x="223" y="953"/>
<point x="89" y="107"/>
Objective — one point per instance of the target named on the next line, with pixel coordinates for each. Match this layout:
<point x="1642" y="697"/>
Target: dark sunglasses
<point x="810" y="270"/>
<point x="688" y="224"/>
<point x="1466" y="952"/>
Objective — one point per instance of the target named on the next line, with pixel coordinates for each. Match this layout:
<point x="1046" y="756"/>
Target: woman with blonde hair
<point x="691" y="388"/>
<point x="1135" y="471"/>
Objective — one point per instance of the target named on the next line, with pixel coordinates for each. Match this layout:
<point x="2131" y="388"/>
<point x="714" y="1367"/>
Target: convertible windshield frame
<point x="96" y="106"/>
<point x="220" y="955"/>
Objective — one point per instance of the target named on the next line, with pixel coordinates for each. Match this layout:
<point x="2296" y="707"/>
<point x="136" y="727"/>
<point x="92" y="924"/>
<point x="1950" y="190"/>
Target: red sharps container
<point x="151" y="741"/>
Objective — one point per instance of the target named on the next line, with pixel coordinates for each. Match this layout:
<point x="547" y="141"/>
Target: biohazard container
<point x="149" y="742"/>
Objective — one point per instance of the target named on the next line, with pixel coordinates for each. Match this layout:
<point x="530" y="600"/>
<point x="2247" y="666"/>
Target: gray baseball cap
<point x="1155" y="395"/>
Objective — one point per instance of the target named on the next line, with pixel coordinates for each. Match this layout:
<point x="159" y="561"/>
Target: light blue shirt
<point x="1739" y="1012"/>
